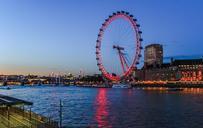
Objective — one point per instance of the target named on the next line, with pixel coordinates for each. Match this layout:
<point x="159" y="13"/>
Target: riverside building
<point x="176" y="70"/>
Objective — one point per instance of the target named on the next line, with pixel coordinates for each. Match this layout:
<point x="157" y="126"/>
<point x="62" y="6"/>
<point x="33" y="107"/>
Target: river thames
<point x="118" y="108"/>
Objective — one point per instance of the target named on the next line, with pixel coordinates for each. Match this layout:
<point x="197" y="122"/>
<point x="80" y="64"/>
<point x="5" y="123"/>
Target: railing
<point x="14" y="117"/>
<point x="11" y="122"/>
<point x="35" y="119"/>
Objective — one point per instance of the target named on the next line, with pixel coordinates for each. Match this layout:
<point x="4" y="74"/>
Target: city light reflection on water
<point x="101" y="109"/>
<point x="169" y="90"/>
<point x="193" y="90"/>
<point x="97" y="107"/>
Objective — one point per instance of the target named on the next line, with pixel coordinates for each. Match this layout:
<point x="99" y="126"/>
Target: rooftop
<point x="153" y="45"/>
<point x="9" y="101"/>
<point x="188" y="61"/>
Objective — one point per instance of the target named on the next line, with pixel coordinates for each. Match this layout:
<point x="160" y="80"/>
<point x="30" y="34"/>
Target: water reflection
<point x="102" y="112"/>
<point x="175" y="90"/>
<point x="193" y="90"/>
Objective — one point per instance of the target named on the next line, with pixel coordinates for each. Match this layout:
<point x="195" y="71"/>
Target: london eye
<point x="118" y="46"/>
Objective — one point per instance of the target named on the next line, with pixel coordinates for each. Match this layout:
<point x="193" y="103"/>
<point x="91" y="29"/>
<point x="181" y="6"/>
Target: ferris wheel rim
<point x="136" y="28"/>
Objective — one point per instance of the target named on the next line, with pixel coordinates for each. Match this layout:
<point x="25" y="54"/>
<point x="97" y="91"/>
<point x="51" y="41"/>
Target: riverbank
<point x="133" y="85"/>
<point x="170" y="85"/>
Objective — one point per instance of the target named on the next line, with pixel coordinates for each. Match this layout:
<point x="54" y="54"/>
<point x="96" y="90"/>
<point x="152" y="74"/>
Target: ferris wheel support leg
<point x="122" y="62"/>
<point x="107" y="82"/>
<point x="125" y="61"/>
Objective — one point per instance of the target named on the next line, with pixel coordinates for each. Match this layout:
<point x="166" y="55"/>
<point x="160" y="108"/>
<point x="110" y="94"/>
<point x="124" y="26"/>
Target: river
<point x="115" y="108"/>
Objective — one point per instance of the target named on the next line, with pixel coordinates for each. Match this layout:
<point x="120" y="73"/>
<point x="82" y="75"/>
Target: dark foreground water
<point x="117" y="108"/>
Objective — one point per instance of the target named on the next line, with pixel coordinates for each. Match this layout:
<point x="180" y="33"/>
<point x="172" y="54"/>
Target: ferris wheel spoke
<point x="126" y="33"/>
<point x="123" y="31"/>
<point x="119" y="33"/>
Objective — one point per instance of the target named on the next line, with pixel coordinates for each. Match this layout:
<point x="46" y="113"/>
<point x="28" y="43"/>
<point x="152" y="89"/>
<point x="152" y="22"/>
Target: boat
<point x="8" y="88"/>
<point x="175" y="89"/>
<point x="121" y="86"/>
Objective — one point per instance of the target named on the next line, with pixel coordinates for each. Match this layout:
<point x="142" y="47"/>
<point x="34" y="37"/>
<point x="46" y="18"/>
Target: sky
<point x="45" y="36"/>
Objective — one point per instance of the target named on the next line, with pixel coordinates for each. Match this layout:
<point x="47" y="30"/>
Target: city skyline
<point x="43" y="37"/>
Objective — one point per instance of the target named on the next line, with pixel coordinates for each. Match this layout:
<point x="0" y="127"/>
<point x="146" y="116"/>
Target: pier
<point x="13" y="115"/>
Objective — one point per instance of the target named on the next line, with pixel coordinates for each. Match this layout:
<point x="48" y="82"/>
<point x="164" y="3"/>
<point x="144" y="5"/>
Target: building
<point x="153" y="55"/>
<point x="189" y="70"/>
<point x="176" y="70"/>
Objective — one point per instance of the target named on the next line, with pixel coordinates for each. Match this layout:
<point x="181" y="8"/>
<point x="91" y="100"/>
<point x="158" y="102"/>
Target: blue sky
<point x="44" y="36"/>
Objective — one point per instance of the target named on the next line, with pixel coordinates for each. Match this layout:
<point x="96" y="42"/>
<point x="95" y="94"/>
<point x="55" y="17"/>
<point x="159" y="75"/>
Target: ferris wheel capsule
<point x="141" y="47"/>
<point x="127" y="13"/>
<point x="101" y="29"/>
<point x="141" y="39"/>
<point x="135" y="20"/>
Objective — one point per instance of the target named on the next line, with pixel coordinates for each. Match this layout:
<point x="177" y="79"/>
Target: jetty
<point x="14" y="115"/>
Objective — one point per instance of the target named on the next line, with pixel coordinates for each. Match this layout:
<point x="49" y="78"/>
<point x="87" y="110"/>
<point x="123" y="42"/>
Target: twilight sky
<point x="44" y="36"/>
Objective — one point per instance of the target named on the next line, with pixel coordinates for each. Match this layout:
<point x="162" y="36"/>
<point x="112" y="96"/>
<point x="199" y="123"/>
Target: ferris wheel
<point x="118" y="46"/>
